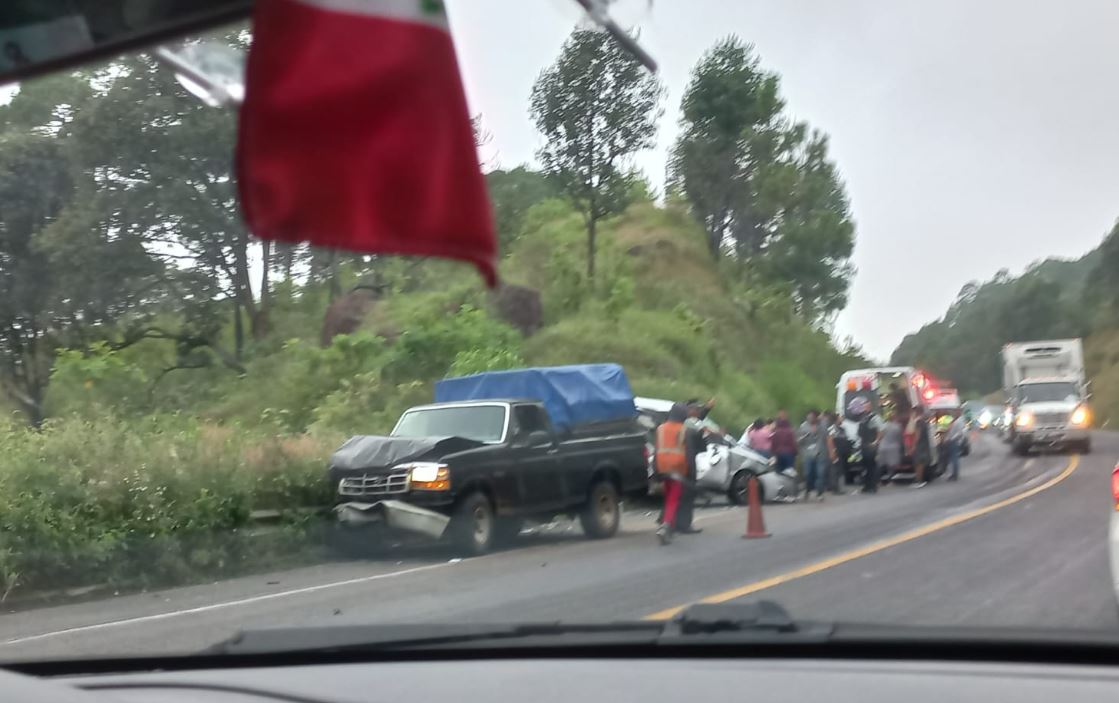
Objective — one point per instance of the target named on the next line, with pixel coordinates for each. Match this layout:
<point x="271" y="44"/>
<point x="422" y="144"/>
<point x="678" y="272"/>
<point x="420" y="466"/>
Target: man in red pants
<point x="672" y="466"/>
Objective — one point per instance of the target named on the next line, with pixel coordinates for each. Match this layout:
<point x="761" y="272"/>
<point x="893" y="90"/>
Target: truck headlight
<point x="1024" y="420"/>
<point x="428" y="476"/>
<point x="1080" y="417"/>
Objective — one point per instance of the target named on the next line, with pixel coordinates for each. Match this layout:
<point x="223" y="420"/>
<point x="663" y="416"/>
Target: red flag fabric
<point x="355" y="134"/>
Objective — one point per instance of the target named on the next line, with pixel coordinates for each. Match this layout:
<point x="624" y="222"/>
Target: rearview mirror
<point x="209" y="70"/>
<point x="48" y="35"/>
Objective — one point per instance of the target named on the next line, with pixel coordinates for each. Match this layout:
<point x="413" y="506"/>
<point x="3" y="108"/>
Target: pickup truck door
<point x="536" y="459"/>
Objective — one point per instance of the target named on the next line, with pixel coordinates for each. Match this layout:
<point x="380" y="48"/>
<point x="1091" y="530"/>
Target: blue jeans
<point x="786" y="461"/>
<point x="815" y="473"/>
<point x="954" y="449"/>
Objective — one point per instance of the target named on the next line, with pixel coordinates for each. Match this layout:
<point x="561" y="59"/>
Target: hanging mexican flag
<point x="355" y="133"/>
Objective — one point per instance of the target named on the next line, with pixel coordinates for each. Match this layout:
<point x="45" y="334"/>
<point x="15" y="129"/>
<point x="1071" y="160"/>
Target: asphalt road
<point x="1016" y="542"/>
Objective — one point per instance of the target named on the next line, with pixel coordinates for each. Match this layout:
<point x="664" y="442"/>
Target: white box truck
<point x="1047" y="391"/>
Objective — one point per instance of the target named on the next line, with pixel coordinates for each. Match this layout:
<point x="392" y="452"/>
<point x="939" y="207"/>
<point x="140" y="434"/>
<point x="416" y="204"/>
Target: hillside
<point x="1053" y="298"/>
<point x="161" y="456"/>
<point x="659" y="306"/>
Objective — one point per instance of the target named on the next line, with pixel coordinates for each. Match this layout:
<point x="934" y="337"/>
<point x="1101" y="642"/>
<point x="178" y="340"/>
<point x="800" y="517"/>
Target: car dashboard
<point x="618" y="680"/>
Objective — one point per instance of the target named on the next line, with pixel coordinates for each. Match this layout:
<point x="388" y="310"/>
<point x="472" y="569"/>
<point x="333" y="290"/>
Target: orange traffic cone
<point x="755" y="523"/>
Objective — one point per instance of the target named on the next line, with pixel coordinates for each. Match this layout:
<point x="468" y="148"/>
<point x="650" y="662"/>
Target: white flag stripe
<point x="403" y="10"/>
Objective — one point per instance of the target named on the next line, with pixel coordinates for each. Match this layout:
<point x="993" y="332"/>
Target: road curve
<point x="1018" y="541"/>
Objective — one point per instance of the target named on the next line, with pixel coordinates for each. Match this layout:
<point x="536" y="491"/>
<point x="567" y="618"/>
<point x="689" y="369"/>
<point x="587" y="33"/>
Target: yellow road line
<point x="845" y="557"/>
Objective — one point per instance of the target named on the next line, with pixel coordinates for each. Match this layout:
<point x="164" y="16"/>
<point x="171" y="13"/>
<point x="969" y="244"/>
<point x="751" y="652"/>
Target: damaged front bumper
<point x="394" y="515"/>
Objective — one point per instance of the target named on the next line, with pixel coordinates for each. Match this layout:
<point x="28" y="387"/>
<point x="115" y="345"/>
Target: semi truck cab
<point x="1046" y="390"/>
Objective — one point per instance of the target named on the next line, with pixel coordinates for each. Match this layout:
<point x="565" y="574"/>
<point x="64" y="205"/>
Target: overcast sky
<point x="972" y="136"/>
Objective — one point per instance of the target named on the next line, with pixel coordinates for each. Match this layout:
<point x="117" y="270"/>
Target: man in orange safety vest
<point x="672" y="466"/>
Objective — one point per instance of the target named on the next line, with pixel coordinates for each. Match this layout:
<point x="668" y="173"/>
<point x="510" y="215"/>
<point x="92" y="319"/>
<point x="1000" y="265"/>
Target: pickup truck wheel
<point x="473" y="525"/>
<point x="1019" y="447"/>
<point x="1085" y="447"/>
<point x="602" y="514"/>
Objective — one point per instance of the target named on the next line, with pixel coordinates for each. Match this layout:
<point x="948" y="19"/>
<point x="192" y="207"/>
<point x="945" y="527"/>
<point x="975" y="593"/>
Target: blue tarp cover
<point x="572" y="395"/>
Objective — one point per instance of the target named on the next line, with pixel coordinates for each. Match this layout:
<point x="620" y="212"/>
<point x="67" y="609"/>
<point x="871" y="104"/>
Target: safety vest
<point x="672" y="457"/>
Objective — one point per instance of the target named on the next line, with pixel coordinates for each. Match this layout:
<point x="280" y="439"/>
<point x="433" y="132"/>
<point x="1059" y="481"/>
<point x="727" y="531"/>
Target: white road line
<point x="225" y="604"/>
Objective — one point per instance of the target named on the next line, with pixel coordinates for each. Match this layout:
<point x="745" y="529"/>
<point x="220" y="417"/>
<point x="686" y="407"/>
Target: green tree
<point x="763" y="187"/>
<point x="67" y="275"/>
<point x="513" y="192"/>
<point x="596" y="106"/>
<point x="815" y="237"/>
<point x="730" y="119"/>
<point x="163" y="161"/>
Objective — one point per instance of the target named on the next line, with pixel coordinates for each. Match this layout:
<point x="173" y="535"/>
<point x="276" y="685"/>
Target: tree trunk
<point x="287" y="258"/>
<point x="265" y="279"/>
<point x="334" y="284"/>
<point x="261" y="321"/>
<point x="243" y="290"/>
<point x="592" y="223"/>
<point x="29" y="399"/>
<point x="238" y="329"/>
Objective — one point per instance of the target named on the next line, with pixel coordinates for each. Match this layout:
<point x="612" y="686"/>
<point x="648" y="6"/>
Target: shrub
<point x="110" y="499"/>
<point x="281" y="391"/>
<point x="428" y="352"/>
<point x="95" y="381"/>
<point x="367" y="405"/>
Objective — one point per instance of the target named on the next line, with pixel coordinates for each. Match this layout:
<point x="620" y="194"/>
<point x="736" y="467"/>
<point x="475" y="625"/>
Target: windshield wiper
<point x="764" y="621"/>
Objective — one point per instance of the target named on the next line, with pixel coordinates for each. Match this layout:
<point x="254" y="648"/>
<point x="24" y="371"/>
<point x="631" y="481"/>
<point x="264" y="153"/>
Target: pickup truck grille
<point x="374" y="485"/>
<point x="1051" y="419"/>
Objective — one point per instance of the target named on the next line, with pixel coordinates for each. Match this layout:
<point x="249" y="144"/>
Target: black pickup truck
<point x="474" y="471"/>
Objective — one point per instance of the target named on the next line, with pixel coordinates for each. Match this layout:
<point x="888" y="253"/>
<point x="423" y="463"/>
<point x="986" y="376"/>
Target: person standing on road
<point x="748" y="435"/>
<point x="890" y="447"/>
<point x="812" y="438"/>
<point x="870" y="439"/>
<point x="784" y="444"/>
<point x="835" y="467"/>
<point x="899" y="398"/>
<point x="672" y="467"/>
<point x="695" y="444"/>
<point x="843" y="447"/>
<point x="759" y="437"/>
<point x="955" y="443"/>
<point x="922" y="448"/>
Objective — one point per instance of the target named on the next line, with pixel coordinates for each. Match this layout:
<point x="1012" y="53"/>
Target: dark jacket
<point x="695" y="444"/>
<point x="784" y="439"/>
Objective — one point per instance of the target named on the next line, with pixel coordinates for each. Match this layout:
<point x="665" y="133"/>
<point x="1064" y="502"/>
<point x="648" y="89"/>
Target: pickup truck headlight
<point x="428" y="476"/>
<point x="1025" y="420"/>
<point x="1080" y="417"/>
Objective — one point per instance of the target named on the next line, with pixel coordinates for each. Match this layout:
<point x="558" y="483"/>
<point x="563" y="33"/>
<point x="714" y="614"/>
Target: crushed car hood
<point x="371" y="451"/>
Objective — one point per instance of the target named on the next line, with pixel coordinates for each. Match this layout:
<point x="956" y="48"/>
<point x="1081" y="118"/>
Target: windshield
<point x="482" y="423"/>
<point x="264" y="289"/>
<point x="1048" y="392"/>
